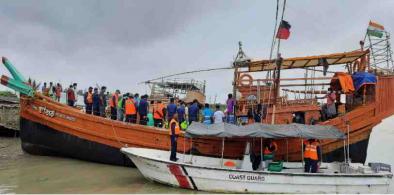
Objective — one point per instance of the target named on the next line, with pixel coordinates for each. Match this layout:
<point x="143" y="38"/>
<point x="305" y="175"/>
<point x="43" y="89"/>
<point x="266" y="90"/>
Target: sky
<point x="121" y="43"/>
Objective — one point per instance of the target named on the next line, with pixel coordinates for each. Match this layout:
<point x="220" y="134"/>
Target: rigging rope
<point x="273" y="36"/>
<point x="187" y="72"/>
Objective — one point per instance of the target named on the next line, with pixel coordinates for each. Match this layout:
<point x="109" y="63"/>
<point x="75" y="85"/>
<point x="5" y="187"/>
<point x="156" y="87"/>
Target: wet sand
<point x="24" y="173"/>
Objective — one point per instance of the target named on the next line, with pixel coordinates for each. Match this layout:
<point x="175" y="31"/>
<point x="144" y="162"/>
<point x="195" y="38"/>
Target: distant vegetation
<point x="7" y="94"/>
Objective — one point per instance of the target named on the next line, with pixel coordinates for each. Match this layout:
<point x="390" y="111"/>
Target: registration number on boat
<point x="242" y="177"/>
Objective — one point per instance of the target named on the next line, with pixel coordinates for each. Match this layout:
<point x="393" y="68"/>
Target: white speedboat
<point x="236" y="176"/>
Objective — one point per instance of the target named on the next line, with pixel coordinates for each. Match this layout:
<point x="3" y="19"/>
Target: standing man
<point x="193" y="112"/>
<point x="103" y="100"/>
<point x="58" y="91"/>
<point x="218" y="116"/>
<point x="137" y="99"/>
<point x="311" y="155"/>
<point x="331" y="109"/>
<point x="181" y="112"/>
<point x="121" y="106"/>
<point x="158" y="114"/>
<point x="131" y="110"/>
<point x="171" y="109"/>
<point x="230" y="108"/>
<point x="208" y="114"/>
<point x="113" y="103"/>
<point x="88" y="100"/>
<point x="175" y="130"/>
<point x="75" y="93"/>
<point x="143" y="109"/>
<point x="51" y="91"/>
<point x="70" y="96"/>
<point x="96" y="102"/>
<point x="44" y="87"/>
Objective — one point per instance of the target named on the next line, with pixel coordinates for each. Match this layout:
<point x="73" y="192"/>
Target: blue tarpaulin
<point x="362" y="78"/>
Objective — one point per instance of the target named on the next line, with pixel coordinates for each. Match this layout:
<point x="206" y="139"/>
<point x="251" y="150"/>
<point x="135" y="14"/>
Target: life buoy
<point x="249" y="80"/>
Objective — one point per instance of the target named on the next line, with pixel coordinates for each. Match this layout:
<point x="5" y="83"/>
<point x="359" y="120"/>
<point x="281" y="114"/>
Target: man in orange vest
<point x="88" y="99"/>
<point x="311" y="155"/>
<point x="158" y="114"/>
<point x="113" y="103"/>
<point x="131" y="109"/>
<point x="175" y="130"/>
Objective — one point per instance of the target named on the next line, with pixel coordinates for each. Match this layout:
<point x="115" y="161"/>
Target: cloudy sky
<point x="121" y="43"/>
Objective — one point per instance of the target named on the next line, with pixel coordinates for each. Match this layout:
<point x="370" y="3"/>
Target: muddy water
<point x="24" y="173"/>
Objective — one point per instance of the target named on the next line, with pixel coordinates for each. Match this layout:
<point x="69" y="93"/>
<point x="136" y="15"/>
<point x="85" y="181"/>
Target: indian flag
<point x="375" y="29"/>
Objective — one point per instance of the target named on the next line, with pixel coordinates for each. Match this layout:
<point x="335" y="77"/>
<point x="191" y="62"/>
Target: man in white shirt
<point x="218" y="116"/>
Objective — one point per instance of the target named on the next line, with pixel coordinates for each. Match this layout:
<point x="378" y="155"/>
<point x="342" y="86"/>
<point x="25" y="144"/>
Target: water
<point x="24" y="173"/>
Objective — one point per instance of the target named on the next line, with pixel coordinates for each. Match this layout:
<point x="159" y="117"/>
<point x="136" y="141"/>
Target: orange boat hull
<point x="51" y="128"/>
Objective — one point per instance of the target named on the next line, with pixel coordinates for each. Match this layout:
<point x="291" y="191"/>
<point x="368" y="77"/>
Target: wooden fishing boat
<point x="50" y="128"/>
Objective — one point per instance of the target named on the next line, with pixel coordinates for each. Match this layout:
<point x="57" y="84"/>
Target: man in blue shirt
<point x="181" y="112"/>
<point x="171" y="109"/>
<point x="143" y="109"/>
<point x="207" y="113"/>
<point x="96" y="102"/>
<point x="193" y="112"/>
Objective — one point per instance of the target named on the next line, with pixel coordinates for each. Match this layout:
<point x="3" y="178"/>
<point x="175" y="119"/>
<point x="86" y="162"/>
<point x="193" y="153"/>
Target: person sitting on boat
<point x="88" y="100"/>
<point x="96" y="102"/>
<point x="175" y="130"/>
<point x="171" y="109"/>
<point x="269" y="151"/>
<point x="311" y="155"/>
<point x="131" y="109"/>
<point x="208" y="114"/>
<point x="193" y="111"/>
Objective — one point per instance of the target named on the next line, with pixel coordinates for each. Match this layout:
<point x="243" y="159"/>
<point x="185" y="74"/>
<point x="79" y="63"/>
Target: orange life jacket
<point x="158" y="111"/>
<point x="177" y="128"/>
<point x="113" y="104"/>
<point x="130" y="107"/>
<point x="58" y="91"/>
<point x="267" y="151"/>
<point x="311" y="150"/>
<point x="89" y="98"/>
<point x="46" y="91"/>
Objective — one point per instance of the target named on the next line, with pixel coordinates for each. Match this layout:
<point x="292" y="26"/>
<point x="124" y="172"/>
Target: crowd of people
<point x="52" y="91"/>
<point x="177" y="115"/>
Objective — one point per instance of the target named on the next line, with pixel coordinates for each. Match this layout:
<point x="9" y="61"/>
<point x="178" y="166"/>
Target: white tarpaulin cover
<point x="265" y="131"/>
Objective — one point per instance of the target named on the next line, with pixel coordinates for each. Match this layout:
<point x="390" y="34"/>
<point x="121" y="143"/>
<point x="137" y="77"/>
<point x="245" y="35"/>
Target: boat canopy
<point x="303" y="62"/>
<point x="293" y="130"/>
<point x="363" y="78"/>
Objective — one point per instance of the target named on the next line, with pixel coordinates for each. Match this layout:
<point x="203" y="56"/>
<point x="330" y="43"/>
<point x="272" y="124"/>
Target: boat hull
<point x="40" y="139"/>
<point x="239" y="181"/>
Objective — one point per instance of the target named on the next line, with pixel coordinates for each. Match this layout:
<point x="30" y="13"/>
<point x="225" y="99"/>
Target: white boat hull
<point x="238" y="181"/>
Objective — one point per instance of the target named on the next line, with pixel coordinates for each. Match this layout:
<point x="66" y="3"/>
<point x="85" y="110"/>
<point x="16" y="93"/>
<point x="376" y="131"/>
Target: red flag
<point x="283" y="30"/>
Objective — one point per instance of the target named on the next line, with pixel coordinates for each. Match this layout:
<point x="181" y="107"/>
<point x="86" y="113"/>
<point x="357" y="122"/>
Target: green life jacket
<point x="120" y="101"/>
<point x="151" y="123"/>
<point x="184" y="125"/>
